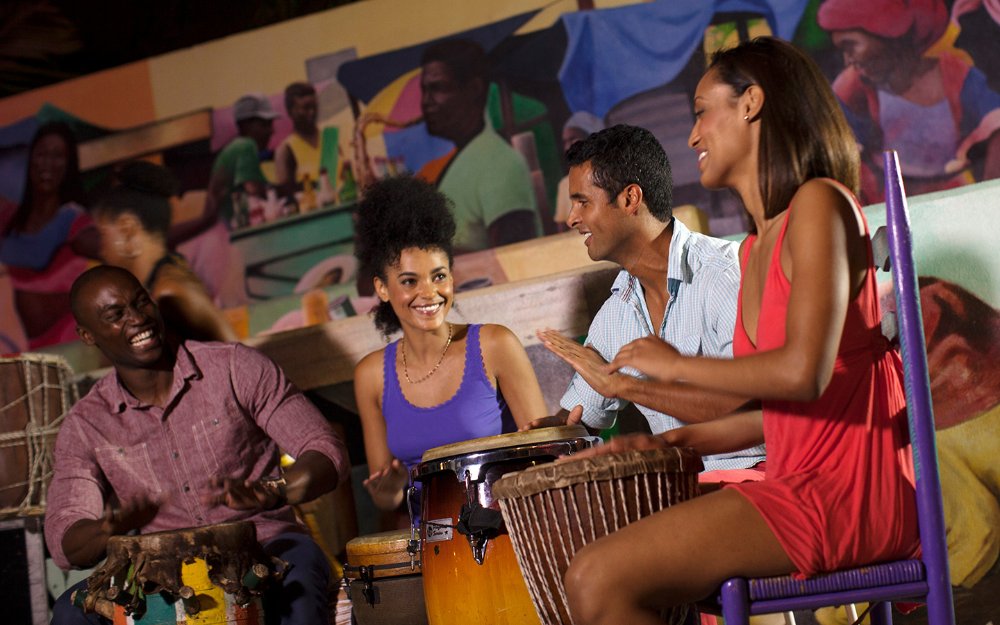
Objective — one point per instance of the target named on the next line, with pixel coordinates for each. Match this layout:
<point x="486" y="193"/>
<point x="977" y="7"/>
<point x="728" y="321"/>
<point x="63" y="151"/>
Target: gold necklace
<point x="431" y="372"/>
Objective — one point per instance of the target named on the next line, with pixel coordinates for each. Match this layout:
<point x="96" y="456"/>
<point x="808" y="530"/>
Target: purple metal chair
<point x="924" y="579"/>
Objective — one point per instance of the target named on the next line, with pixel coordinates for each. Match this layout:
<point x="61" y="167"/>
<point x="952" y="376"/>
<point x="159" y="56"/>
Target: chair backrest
<point x="918" y="395"/>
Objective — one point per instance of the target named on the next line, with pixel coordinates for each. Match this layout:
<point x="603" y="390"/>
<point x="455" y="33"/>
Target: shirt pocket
<point x="223" y="443"/>
<point x="129" y="470"/>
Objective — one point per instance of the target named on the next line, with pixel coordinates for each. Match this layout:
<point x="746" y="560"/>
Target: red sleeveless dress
<point x="838" y="490"/>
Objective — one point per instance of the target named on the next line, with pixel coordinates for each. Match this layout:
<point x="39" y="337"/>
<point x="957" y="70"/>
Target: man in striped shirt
<point x="674" y="284"/>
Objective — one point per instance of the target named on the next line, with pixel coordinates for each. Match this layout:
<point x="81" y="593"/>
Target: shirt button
<point x="186" y="488"/>
<point x="175" y="455"/>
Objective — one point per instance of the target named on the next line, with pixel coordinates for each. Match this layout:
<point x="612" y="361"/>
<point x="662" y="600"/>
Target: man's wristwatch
<point x="274" y="487"/>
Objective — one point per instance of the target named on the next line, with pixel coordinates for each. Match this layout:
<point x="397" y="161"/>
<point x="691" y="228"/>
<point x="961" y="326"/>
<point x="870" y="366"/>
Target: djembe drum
<point x="35" y="392"/>
<point x="470" y="573"/>
<point x="206" y="575"/>
<point x="553" y="511"/>
<point x="384" y="582"/>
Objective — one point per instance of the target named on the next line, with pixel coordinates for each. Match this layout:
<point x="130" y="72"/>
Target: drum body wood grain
<point x="35" y="392"/>
<point x="553" y="511"/>
<point x="473" y="577"/>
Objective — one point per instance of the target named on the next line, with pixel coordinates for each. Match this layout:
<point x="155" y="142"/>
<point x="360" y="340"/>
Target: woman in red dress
<point x="807" y="344"/>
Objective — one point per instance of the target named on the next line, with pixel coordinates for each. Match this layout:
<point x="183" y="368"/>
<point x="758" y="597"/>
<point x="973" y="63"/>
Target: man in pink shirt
<point x="183" y="435"/>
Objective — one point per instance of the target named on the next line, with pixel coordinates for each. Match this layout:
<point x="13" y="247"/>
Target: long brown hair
<point x="803" y="131"/>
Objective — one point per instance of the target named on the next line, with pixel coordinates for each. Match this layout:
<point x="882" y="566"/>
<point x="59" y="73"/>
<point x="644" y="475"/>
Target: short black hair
<point x="622" y="155"/>
<point x="396" y="214"/>
<point x="144" y="190"/>
<point x="297" y="90"/>
<point x="92" y="275"/>
<point x="465" y="58"/>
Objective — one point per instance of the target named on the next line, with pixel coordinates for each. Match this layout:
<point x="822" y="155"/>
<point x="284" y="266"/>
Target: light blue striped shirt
<point x="703" y="282"/>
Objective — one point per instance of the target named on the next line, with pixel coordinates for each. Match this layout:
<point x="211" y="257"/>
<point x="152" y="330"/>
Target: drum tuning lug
<point x="413" y="548"/>
<point x="478" y="544"/>
<point x="368" y="589"/>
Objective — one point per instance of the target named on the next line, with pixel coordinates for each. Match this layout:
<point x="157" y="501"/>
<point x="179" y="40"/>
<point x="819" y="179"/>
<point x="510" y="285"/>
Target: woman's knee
<point x="586" y="582"/>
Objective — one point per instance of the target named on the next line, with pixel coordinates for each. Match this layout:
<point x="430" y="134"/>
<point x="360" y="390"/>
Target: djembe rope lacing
<point x="42" y="425"/>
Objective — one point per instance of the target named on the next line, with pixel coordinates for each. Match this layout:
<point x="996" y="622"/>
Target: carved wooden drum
<point x="36" y="390"/>
<point x="470" y="573"/>
<point x="383" y="577"/>
<point x="553" y="511"/>
<point x="206" y="575"/>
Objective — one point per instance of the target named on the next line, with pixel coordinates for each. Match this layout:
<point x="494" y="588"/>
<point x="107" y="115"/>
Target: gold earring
<point x="746" y="118"/>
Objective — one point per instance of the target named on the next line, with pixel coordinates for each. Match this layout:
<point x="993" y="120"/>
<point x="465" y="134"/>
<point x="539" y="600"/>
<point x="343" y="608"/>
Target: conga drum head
<point x="510" y="439"/>
<point x="383" y="577"/>
<point x="387" y="554"/>
<point x="212" y="574"/>
<point x="554" y="510"/>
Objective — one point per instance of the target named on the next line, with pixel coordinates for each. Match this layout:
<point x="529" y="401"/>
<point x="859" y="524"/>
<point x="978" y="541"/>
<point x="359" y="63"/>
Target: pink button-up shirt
<point x="229" y="411"/>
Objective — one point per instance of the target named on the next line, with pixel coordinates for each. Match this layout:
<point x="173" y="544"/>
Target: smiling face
<point x="420" y="288"/>
<point x="720" y="135"/>
<point x="47" y="168"/>
<point x="116" y="314"/>
<point x="592" y="214"/>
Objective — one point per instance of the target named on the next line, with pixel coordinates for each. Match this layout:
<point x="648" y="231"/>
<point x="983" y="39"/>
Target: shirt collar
<point x="118" y="398"/>
<point x="678" y="268"/>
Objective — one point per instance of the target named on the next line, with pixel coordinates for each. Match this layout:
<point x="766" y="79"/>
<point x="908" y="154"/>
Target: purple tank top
<point x="474" y="411"/>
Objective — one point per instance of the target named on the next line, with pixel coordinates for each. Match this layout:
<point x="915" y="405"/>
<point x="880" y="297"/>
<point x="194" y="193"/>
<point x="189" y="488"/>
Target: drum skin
<point x="395" y="580"/>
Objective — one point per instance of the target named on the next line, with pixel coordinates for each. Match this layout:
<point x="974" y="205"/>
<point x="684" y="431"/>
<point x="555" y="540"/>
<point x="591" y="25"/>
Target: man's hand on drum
<point x="242" y="494"/>
<point x="651" y="355"/>
<point x="572" y="417"/>
<point x="585" y="360"/>
<point x="131" y="515"/>
<point x="386" y="485"/>
<point x="626" y="442"/>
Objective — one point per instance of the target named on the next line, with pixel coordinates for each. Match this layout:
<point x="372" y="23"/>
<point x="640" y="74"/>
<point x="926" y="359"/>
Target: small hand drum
<point x="554" y="510"/>
<point x="383" y="579"/>
<point x="212" y="574"/>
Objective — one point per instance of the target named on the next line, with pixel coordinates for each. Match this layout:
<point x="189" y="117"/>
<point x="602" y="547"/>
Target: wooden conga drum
<point x="210" y="575"/>
<point x="383" y="579"/>
<point x="553" y="511"/>
<point x="470" y="573"/>
<point x="36" y="390"/>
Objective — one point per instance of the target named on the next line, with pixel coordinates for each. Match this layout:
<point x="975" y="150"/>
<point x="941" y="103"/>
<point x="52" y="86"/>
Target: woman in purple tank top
<point x="441" y="382"/>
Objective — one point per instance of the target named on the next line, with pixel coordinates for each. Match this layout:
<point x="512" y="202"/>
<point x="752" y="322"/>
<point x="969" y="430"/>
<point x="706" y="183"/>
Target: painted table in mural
<point x="278" y="254"/>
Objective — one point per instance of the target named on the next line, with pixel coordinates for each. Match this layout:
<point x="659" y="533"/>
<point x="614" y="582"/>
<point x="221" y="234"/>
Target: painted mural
<point x="267" y="165"/>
